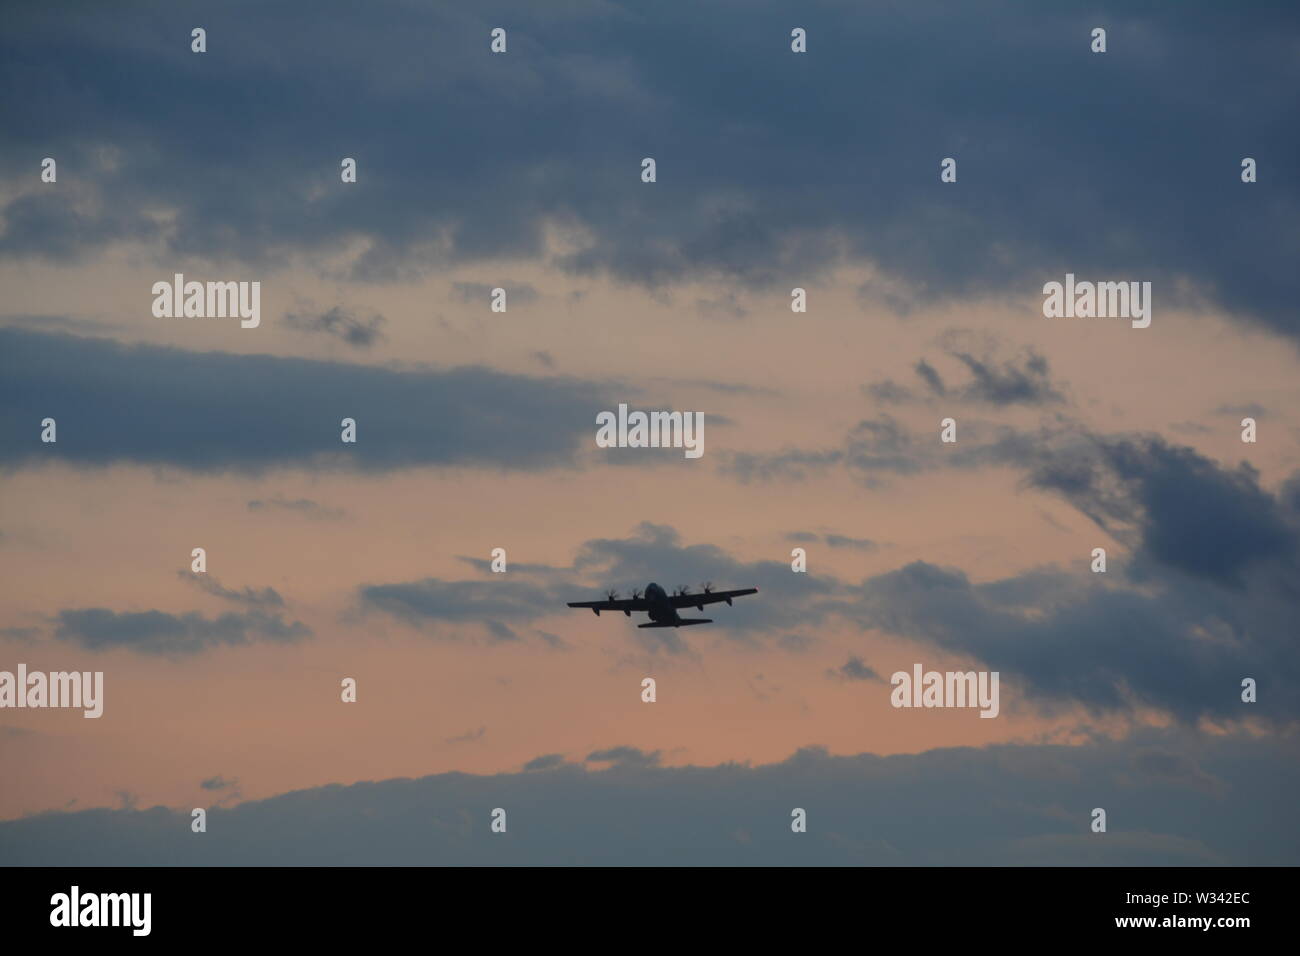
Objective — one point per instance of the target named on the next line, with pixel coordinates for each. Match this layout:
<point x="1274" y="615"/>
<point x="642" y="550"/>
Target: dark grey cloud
<point x="1171" y="799"/>
<point x="1177" y="507"/>
<point x="790" y="464"/>
<point x="652" y="552"/>
<point x="771" y="165"/>
<point x="854" y="669"/>
<point x="888" y="392"/>
<point x="1019" y="380"/>
<point x="656" y="553"/>
<point x="418" y="602"/>
<point x="248" y="596"/>
<point x="1206" y="597"/>
<point x="340" y="323"/>
<point x="932" y="379"/>
<point x="212" y="411"/>
<point x="216" y="783"/>
<point x="878" y="450"/>
<point x="1009" y="383"/>
<point x="545" y="762"/>
<point x="872" y="448"/>
<point x="624" y="757"/>
<point x="158" y="632"/>
<point x="501" y="632"/>
<point x="553" y="640"/>
<point x="844" y="541"/>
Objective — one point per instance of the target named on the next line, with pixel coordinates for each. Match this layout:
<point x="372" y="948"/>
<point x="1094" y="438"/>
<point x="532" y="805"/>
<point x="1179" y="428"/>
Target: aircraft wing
<point x="711" y="597"/>
<point x="618" y="604"/>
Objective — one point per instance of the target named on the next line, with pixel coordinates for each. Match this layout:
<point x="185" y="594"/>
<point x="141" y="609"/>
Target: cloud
<point x="545" y="762"/>
<point x="266" y="597"/>
<point x="500" y="632"/>
<point x="1206" y="598"/>
<point x="1203" y="800"/>
<point x="652" y="552"/>
<point x="553" y="640"/>
<point x="1018" y="380"/>
<point x="1203" y="599"/>
<point x="844" y="541"/>
<point x="302" y="506"/>
<point x="624" y="757"/>
<point x="157" y="632"/>
<point x="426" y="602"/>
<point x="217" y="783"/>
<point x="751" y="206"/>
<point x="1179" y="508"/>
<point x="933" y="381"/>
<point x="340" y="323"/>
<point x="854" y="670"/>
<point x="888" y="392"/>
<point x="1009" y="383"/>
<point x="873" y="447"/>
<point x="214" y="411"/>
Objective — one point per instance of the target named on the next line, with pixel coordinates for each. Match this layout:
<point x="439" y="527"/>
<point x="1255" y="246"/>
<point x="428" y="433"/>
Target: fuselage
<point x="661" y="609"/>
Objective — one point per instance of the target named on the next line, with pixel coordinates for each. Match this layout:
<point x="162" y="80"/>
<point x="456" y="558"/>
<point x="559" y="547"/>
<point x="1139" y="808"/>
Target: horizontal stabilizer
<point x="682" y="623"/>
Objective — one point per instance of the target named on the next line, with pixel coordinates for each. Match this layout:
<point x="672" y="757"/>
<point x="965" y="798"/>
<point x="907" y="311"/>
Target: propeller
<point x="707" y="587"/>
<point x="682" y="589"/>
<point x="636" y="594"/>
<point x="611" y="594"/>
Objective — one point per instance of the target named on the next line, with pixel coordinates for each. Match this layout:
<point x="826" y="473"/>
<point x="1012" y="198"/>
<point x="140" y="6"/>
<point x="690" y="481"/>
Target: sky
<point x="775" y="170"/>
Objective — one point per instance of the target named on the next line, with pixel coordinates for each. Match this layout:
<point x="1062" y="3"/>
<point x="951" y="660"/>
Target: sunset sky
<point x="476" y="430"/>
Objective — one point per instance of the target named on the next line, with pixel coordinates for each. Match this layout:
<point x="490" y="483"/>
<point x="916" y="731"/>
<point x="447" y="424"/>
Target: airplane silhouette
<point x="662" y="606"/>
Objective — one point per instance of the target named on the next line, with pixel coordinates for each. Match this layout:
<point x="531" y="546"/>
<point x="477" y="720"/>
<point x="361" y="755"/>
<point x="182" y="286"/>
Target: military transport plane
<point x="662" y="606"/>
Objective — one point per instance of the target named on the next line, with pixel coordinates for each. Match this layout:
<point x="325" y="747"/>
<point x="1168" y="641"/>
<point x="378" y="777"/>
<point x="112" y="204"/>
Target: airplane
<point x="662" y="606"/>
